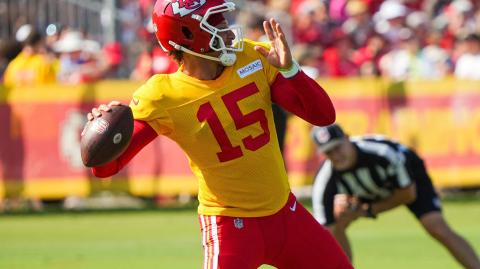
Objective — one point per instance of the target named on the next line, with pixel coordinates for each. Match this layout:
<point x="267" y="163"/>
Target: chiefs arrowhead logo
<point x="185" y="7"/>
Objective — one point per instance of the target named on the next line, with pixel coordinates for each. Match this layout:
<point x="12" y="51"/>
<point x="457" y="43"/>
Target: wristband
<point x="290" y="72"/>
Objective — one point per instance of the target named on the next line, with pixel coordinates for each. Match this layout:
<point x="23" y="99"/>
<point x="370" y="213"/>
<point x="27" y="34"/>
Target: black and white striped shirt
<point x="379" y="170"/>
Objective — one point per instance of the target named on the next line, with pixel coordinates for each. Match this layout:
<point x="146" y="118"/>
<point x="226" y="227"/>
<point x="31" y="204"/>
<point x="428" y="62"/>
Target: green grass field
<point x="171" y="239"/>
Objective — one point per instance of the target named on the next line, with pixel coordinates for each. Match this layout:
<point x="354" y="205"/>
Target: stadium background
<point x="438" y="118"/>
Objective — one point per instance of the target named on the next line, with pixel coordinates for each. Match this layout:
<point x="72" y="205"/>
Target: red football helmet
<point x="191" y="26"/>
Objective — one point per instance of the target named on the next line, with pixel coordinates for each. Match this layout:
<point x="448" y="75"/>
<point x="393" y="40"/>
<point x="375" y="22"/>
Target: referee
<point x="365" y="176"/>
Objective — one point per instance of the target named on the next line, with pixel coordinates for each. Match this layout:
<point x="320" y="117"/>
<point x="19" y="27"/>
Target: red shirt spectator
<point x="367" y="58"/>
<point x="337" y="58"/>
<point x="153" y="61"/>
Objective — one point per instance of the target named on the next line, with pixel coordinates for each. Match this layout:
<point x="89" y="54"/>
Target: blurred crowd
<point x="398" y="39"/>
<point x="65" y="56"/>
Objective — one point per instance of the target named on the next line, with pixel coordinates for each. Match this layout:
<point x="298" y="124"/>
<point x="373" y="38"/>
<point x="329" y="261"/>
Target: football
<point x="106" y="137"/>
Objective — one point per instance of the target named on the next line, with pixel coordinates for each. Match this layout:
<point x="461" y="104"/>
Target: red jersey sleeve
<point x="142" y="135"/>
<point x="303" y="97"/>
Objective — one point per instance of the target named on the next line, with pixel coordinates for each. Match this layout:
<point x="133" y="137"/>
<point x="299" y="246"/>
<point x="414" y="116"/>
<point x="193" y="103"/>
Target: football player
<point x="368" y="175"/>
<point x="218" y="108"/>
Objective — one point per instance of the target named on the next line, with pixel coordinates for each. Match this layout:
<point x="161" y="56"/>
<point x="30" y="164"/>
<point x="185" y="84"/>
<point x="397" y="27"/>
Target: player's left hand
<point x="279" y="54"/>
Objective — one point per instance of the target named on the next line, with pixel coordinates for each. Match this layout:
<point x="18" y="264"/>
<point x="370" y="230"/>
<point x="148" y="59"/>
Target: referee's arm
<point x="399" y="197"/>
<point x="405" y="193"/>
<point x="323" y="193"/>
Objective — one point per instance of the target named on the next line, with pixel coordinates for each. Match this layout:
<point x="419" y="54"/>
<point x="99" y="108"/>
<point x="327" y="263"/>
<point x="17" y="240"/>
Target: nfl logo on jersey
<point x="238" y="222"/>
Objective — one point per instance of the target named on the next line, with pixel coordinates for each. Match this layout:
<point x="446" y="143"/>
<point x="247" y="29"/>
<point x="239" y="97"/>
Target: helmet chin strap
<point x="225" y="58"/>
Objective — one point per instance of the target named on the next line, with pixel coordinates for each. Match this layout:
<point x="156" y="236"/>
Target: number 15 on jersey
<point x="228" y="151"/>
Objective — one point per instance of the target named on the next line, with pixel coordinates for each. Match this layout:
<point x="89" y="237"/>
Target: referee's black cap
<point x="327" y="137"/>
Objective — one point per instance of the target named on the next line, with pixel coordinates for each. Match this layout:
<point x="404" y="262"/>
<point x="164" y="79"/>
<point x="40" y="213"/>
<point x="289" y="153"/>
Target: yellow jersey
<point x="29" y="70"/>
<point x="226" y="128"/>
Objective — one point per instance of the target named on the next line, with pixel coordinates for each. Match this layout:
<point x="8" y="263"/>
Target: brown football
<point x="106" y="137"/>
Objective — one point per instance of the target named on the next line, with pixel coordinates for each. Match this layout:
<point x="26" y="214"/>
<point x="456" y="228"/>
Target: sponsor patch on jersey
<point x="250" y="69"/>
